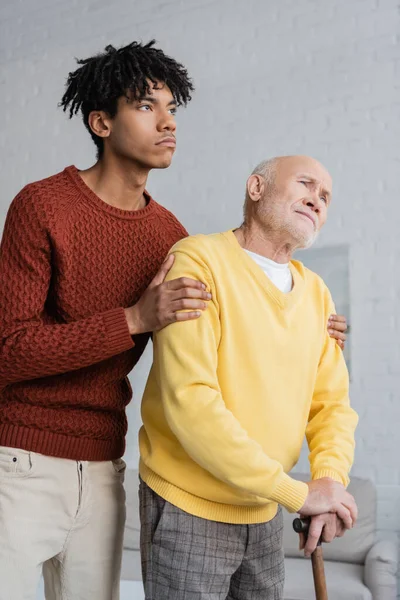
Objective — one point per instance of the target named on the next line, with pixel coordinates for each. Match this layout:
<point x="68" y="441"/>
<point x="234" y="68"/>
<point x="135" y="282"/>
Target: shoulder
<point x="40" y="199"/>
<point x="196" y="256"/>
<point x="199" y="245"/>
<point x="171" y="224"/>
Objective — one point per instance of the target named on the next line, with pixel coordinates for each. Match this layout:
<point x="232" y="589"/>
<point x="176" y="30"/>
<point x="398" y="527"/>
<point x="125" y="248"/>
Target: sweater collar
<point x="285" y="300"/>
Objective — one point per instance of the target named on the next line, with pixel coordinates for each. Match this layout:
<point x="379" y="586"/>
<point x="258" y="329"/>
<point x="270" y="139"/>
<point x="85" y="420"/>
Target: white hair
<point x="267" y="170"/>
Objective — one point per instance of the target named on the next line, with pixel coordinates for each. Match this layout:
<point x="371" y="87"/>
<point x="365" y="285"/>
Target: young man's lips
<point x="170" y="142"/>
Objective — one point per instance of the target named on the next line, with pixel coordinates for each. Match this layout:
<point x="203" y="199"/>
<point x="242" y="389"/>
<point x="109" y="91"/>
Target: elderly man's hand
<point x="329" y="525"/>
<point x="328" y="496"/>
<point x="337" y="327"/>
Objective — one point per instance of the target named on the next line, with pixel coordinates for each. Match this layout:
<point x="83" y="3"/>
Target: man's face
<point x="296" y="203"/>
<point x="143" y="130"/>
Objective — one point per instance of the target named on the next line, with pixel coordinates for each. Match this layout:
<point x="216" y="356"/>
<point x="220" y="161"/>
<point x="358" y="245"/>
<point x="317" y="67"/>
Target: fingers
<point x="340" y="528"/>
<point x="190" y="292"/>
<point x="335" y="317"/>
<point x="185" y="282"/>
<point x="330" y="528"/>
<point x="187" y="316"/>
<point x="188" y="304"/>
<point x="188" y="298"/>
<point x="162" y="273"/>
<point x="337" y="326"/>
<point x="170" y="297"/>
<point x="314" y="533"/>
<point x="345" y="515"/>
<point x="348" y="502"/>
<point x="185" y="310"/>
<point x="337" y="335"/>
<point x="338" y="323"/>
<point x="326" y="527"/>
<point x="338" y="318"/>
<point x="352" y="507"/>
<point x="173" y="317"/>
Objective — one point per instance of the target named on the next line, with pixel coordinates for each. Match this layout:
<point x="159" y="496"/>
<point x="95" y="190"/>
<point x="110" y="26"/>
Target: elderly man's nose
<point x="313" y="204"/>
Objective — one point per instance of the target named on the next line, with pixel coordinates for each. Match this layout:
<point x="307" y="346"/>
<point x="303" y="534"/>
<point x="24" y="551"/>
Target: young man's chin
<point x="162" y="163"/>
<point x="146" y="161"/>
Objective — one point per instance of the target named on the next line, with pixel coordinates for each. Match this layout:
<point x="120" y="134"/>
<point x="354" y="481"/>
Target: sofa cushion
<point x="132" y="526"/>
<point x="355" y="544"/>
<point x="343" y="581"/>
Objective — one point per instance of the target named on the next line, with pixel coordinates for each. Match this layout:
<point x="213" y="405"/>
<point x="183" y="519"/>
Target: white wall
<point x="311" y="76"/>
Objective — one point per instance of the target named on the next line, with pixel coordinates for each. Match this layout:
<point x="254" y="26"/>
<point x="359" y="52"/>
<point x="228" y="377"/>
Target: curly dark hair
<point x="105" y="77"/>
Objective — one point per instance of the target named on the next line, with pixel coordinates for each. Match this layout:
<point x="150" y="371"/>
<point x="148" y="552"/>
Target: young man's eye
<point x="173" y="111"/>
<point x="324" y="199"/>
<point x="144" y="107"/>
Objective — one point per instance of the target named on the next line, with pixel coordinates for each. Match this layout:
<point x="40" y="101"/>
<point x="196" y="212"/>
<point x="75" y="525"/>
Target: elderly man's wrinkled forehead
<point x="290" y="167"/>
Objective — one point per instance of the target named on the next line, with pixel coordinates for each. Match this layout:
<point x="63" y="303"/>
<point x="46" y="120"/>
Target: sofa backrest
<point x="354" y="545"/>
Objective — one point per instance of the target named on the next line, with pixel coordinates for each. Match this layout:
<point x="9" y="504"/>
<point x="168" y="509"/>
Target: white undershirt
<point x="278" y="273"/>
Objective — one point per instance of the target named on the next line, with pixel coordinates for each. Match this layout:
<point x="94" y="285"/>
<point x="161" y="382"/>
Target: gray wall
<point x="310" y="76"/>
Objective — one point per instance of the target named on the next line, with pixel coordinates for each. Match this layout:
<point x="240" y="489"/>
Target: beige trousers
<point x="64" y="517"/>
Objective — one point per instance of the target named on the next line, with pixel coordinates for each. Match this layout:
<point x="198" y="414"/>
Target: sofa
<point x="357" y="566"/>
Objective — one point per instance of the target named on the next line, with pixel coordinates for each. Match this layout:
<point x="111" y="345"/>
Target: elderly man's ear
<point x="255" y="187"/>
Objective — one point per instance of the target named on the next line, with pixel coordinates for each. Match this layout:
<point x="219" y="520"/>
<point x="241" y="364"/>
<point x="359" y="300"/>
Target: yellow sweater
<point x="231" y="394"/>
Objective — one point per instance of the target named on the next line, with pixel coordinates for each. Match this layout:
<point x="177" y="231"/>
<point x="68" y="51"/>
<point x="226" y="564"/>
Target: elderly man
<point x="231" y="395"/>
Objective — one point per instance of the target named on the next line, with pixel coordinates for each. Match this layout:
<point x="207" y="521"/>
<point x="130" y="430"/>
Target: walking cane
<point x="317" y="560"/>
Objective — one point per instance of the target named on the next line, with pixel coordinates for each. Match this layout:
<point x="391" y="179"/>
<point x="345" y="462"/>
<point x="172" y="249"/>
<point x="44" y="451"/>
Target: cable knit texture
<point x="69" y="264"/>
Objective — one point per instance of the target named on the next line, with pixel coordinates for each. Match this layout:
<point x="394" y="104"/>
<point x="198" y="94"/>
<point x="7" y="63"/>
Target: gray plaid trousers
<point x="188" y="558"/>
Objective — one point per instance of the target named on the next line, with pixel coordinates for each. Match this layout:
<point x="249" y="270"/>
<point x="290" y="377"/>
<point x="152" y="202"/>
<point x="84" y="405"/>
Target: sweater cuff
<point x="119" y="338"/>
<point x="320" y="473"/>
<point x="290" y="493"/>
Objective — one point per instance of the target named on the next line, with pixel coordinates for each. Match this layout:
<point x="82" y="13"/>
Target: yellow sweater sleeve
<point x="185" y="366"/>
<point x="332" y="422"/>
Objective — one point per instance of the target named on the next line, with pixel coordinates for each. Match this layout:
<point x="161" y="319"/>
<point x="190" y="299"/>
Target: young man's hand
<point x="328" y="525"/>
<point x="328" y="496"/>
<point x="337" y="327"/>
<point x="165" y="302"/>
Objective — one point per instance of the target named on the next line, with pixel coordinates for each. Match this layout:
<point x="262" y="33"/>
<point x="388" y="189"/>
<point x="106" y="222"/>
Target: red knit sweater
<point x="69" y="265"/>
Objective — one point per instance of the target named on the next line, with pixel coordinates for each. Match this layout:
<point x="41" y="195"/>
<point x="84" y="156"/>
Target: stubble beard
<point x="282" y="226"/>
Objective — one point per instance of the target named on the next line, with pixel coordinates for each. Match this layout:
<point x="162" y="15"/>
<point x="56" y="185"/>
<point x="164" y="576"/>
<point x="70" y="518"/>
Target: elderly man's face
<point x="298" y="201"/>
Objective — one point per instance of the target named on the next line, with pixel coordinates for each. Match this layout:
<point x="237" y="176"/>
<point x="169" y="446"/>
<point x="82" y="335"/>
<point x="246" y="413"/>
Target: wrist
<point x="133" y="320"/>
<point x="290" y="493"/>
<point x="330" y="475"/>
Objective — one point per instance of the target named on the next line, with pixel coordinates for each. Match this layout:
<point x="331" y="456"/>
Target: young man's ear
<point x="100" y="123"/>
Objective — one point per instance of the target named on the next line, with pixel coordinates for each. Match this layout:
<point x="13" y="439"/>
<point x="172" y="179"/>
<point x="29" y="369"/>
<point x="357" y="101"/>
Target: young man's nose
<point x="167" y="123"/>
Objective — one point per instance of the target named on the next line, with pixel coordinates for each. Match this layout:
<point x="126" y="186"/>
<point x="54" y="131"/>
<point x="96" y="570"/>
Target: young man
<point x="82" y="287"/>
<point x="77" y="302"/>
<point x="231" y="396"/>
